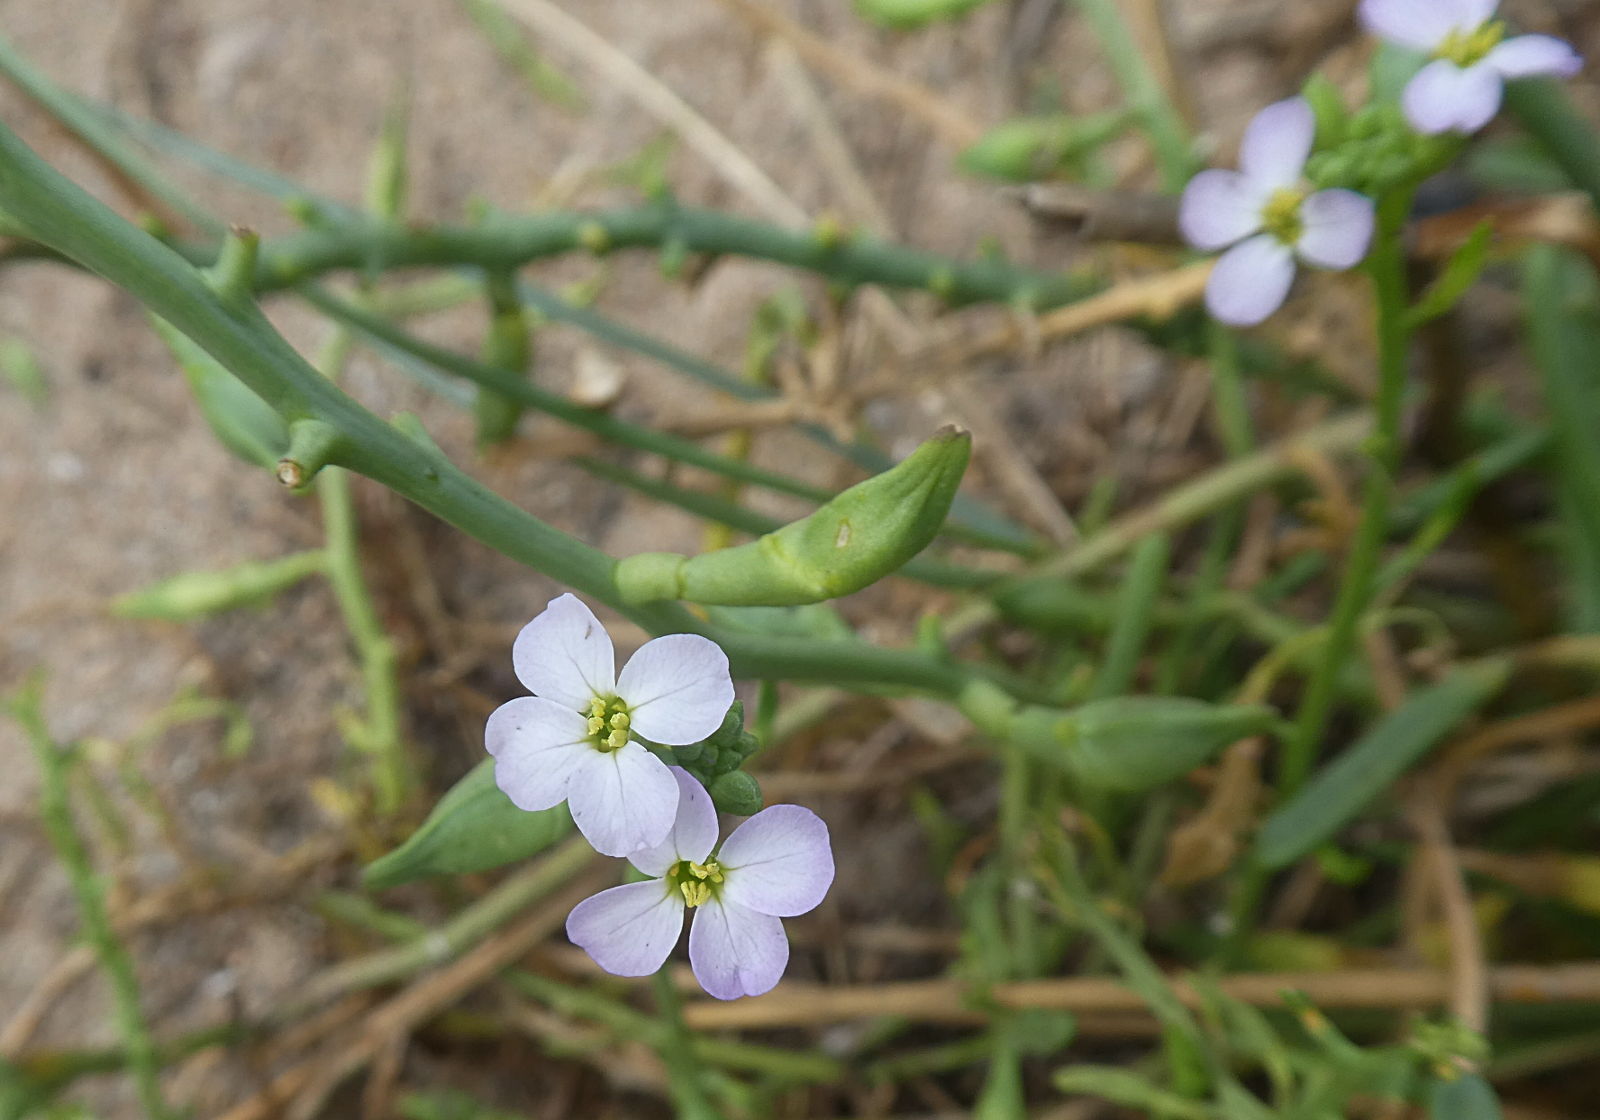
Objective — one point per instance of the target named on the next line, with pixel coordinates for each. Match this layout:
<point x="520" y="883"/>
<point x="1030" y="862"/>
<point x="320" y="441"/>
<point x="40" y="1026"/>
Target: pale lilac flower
<point x="775" y="865"/>
<point x="1269" y="216"/>
<point x="1460" y="90"/>
<point x="572" y="740"/>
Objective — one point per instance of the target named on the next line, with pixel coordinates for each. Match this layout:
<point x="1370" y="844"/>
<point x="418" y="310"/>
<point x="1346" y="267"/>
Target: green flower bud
<point x="198" y="594"/>
<point x="1027" y="148"/>
<point x="852" y="542"/>
<point x="246" y="424"/>
<point x="1135" y="743"/>
<point x="736" y="792"/>
<point x="1327" y="105"/>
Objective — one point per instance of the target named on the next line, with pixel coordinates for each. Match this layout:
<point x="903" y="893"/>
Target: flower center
<point x="608" y="723"/>
<point x="697" y="882"/>
<point x="1468" y="48"/>
<point x="1281" y="215"/>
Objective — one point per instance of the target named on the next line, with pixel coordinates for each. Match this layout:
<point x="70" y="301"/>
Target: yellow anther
<point x="1281" y="215"/>
<point x="617" y="740"/>
<point x="597" y="707"/>
<point x="695" y="894"/>
<point x="707" y="870"/>
<point x="596" y="725"/>
<point x="1468" y="48"/>
<point x="620" y="721"/>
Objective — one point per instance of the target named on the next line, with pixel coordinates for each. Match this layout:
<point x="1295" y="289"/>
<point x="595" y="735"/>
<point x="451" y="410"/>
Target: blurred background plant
<point x="1144" y="804"/>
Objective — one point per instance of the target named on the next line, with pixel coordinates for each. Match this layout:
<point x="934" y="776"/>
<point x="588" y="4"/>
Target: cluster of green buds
<point x="1371" y="150"/>
<point x="716" y="762"/>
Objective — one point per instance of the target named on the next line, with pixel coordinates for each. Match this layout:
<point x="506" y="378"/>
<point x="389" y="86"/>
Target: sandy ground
<point x="115" y="481"/>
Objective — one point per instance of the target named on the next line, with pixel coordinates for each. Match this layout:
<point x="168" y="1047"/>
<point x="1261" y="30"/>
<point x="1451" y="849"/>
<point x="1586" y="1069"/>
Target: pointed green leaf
<point x="474" y="827"/>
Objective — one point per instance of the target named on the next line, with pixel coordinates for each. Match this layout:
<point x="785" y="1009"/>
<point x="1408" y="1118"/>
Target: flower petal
<point x="1250" y="281"/>
<point x="1469" y="15"/>
<point x="623" y="800"/>
<point x="778" y="862"/>
<point x="1219" y="208"/>
<point x="1418" y="24"/>
<point x="565" y="654"/>
<point x="1529" y="56"/>
<point x="736" y="952"/>
<point x="536" y="744"/>
<point x="1338" y="228"/>
<point x="628" y="930"/>
<point x="1445" y="98"/>
<point x="694" y="832"/>
<point x="1277" y="143"/>
<point x="677" y="689"/>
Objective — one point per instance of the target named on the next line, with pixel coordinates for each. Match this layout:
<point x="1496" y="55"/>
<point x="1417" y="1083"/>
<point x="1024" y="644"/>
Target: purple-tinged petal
<point x="1277" y="143"/>
<point x="564" y="654"/>
<point x="694" y="831"/>
<point x="736" y="952"/>
<point x="1419" y="24"/>
<point x="1337" y="228"/>
<point x="536" y="744"/>
<point x="623" y="800"/>
<point x="1529" y="56"/>
<point x="628" y="930"/>
<point x="1220" y="208"/>
<point x="1445" y="98"/>
<point x="1250" y="281"/>
<point x="677" y="689"/>
<point x="778" y="862"/>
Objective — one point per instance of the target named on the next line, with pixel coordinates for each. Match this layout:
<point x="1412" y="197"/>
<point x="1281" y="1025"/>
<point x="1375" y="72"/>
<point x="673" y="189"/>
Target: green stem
<point x="59" y="213"/>
<point x="55" y="760"/>
<point x="381" y="735"/>
<point x="1143" y="92"/>
<point x="506" y="242"/>
<point x="685" y="1078"/>
<point x="1388" y="268"/>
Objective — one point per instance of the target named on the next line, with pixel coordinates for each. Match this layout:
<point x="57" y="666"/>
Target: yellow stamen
<point x="1468" y="48"/>
<point x="694" y="894"/>
<point x="1281" y="215"/>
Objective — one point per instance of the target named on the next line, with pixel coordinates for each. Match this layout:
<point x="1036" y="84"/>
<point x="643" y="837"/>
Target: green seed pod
<point x="1025" y="148"/>
<point x="198" y="594"/>
<point x="903" y="15"/>
<point x="246" y="424"/>
<point x="736" y="792"/>
<point x="1135" y="743"/>
<point x="855" y="540"/>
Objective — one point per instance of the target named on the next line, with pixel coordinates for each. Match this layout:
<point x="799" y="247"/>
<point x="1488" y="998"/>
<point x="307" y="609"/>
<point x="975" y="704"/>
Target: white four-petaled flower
<point x="775" y="865"/>
<point x="1460" y="90"/>
<point x="572" y="740"/>
<point x="1270" y="217"/>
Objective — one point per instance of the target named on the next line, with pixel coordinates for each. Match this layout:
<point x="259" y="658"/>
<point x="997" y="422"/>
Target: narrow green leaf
<point x="1122" y="1087"/>
<point x="192" y="595"/>
<point x="1563" y="308"/>
<point x="474" y="827"/>
<point x="1460" y="272"/>
<point x="245" y="423"/>
<point x="1348" y="785"/>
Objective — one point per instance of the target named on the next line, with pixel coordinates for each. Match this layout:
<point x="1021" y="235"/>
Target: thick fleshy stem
<point x="1388" y="268"/>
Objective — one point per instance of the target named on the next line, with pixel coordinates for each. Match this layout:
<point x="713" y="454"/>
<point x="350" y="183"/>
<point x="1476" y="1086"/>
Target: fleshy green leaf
<point x="474" y="827"/>
<point x="1351" y="782"/>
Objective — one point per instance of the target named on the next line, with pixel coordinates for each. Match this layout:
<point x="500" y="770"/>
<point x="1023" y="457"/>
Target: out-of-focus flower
<point x="1460" y="90"/>
<point x="572" y="740"/>
<point x="1269" y="216"/>
<point x="775" y="865"/>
